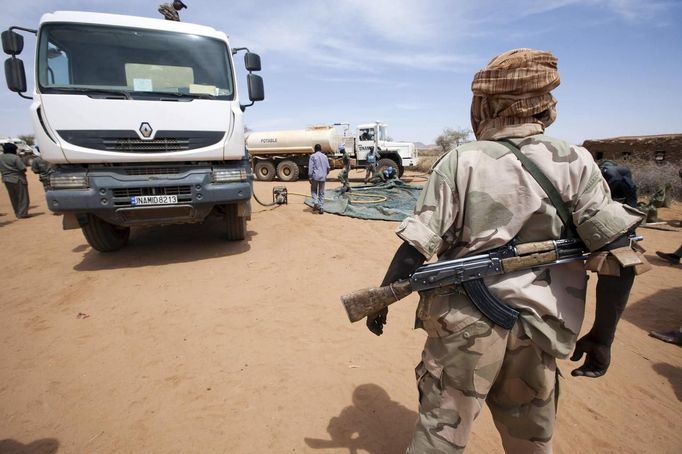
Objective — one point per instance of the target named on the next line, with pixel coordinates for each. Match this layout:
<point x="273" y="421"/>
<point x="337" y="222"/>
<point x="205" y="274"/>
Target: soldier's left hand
<point x="597" y="360"/>
<point x="376" y="321"/>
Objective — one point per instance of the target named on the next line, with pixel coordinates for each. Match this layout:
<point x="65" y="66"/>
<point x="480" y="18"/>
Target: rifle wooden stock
<point x="362" y="303"/>
<point x="528" y="261"/>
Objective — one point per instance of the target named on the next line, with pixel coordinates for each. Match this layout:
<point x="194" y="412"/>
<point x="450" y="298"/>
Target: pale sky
<point x="410" y="63"/>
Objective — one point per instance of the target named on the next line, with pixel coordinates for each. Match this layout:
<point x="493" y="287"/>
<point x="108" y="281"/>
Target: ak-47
<point x="469" y="273"/>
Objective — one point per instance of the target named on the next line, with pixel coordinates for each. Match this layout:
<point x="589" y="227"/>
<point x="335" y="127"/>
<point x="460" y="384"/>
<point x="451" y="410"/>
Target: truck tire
<point x="235" y="225"/>
<point x="103" y="236"/>
<point x="264" y="170"/>
<point x="386" y="162"/>
<point x="287" y="171"/>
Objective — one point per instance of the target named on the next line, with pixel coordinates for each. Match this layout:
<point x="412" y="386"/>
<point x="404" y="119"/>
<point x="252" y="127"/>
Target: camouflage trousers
<point x="467" y="361"/>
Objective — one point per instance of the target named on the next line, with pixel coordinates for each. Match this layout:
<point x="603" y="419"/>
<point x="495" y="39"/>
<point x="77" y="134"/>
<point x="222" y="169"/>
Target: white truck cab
<point x="141" y="119"/>
<point x="374" y="136"/>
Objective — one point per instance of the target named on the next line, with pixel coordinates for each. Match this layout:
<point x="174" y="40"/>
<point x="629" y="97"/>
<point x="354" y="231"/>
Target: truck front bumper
<point x="109" y="196"/>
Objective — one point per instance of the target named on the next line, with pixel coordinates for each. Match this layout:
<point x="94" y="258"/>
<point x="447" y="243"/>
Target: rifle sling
<point x="546" y="185"/>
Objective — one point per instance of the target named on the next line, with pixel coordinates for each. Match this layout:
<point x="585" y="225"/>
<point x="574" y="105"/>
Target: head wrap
<point x="512" y="95"/>
<point x="9" y="147"/>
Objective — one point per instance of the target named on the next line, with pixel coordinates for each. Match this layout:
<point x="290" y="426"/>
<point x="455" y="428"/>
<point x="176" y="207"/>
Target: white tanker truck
<point x="285" y="153"/>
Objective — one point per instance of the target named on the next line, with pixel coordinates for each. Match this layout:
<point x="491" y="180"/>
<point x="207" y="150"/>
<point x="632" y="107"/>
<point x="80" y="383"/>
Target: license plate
<point x="154" y="200"/>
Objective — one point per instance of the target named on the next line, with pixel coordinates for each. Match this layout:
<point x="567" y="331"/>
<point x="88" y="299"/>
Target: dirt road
<point x="185" y="343"/>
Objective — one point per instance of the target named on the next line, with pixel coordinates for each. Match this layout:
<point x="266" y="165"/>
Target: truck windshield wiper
<point x="99" y="92"/>
<point x="174" y="94"/>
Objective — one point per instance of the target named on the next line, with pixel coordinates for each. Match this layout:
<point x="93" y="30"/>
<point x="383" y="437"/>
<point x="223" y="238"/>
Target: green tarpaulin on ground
<point x="390" y="201"/>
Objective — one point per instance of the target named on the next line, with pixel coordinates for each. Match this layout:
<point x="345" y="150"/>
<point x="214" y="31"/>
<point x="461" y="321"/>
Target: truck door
<point x="366" y="142"/>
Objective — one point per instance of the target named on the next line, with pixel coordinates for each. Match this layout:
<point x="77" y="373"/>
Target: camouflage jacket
<point x="480" y="197"/>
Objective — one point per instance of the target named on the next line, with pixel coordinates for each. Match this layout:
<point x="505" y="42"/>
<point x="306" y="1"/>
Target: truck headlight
<point x="68" y="182"/>
<point x="228" y="175"/>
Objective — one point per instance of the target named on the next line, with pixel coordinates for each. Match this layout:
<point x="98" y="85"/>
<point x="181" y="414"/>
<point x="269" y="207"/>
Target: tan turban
<point x="511" y="95"/>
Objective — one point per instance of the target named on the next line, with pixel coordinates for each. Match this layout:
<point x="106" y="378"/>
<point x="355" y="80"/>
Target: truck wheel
<point x="103" y="236"/>
<point x="287" y="171"/>
<point x="264" y="170"/>
<point x="235" y="225"/>
<point x="385" y="163"/>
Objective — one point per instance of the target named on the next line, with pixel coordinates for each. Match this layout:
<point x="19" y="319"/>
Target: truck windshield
<point x="139" y="63"/>
<point x="382" y="133"/>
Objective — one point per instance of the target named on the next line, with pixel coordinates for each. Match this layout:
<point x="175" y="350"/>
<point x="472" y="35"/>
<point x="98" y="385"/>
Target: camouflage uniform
<point x="343" y="175"/>
<point x="480" y="197"/>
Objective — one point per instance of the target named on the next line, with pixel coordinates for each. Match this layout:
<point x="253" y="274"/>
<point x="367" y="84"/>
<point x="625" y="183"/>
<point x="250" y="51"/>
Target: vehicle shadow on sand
<point x="153" y="246"/>
<point x="374" y="424"/>
<point x="42" y="446"/>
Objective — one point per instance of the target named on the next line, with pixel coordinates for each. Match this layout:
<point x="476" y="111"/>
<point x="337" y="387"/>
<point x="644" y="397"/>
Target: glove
<point x="597" y="360"/>
<point x="376" y="321"/>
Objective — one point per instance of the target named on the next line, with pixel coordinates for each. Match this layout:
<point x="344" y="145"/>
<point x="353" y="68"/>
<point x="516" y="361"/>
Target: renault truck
<point x="141" y="120"/>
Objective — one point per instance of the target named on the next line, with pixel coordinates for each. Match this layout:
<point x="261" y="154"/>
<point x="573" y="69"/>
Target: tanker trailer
<point x="286" y="153"/>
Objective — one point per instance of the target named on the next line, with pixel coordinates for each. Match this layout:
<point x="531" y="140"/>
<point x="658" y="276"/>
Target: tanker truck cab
<point x="142" y="121"/>
<point x="399" y="155"/>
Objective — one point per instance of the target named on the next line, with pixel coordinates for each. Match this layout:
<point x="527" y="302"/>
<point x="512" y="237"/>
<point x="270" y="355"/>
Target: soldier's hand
<point x="597" y="360"/>
<point x="376" y="321"/>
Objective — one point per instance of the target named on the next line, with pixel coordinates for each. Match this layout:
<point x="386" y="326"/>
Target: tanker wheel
<point x="264" y="170"/>
<point x="287" y="171"/>
<point x="386" y="163"/>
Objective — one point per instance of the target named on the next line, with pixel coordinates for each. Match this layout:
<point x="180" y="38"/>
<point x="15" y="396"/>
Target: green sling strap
<point x="546" y="185"/>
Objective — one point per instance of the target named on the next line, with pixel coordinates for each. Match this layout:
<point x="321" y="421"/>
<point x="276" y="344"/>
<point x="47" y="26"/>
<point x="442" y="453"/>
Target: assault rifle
<point x="469" y="273"/>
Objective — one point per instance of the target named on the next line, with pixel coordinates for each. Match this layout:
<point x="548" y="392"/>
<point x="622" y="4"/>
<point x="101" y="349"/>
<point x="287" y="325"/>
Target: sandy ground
<point x="186" y="343"/>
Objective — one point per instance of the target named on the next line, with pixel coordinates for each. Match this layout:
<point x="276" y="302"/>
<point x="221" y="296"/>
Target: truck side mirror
<point x="252" y="61"/>
<point x="256" y="90"/>
<point x="15" y="74"/>
<point x="12" y="42"/>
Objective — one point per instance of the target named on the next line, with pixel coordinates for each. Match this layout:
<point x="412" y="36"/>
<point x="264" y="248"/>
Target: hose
<point x="378" y="197"/>
<point x="261" y="203"/>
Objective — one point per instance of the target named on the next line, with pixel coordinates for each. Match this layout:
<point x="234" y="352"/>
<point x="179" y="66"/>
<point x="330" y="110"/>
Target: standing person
<point x="620" y="181"/>
<point x="343" y="175"/>
<point x="170" y="10"/>
<point x="467" y="359"/>
<point x="372" y="158"/>
<point x="41" y="167"/>
<point x="318" y="168"/>
<point x="13" y="173"/>
<point x="671" y="257"/>
<point x="671" y="337"/>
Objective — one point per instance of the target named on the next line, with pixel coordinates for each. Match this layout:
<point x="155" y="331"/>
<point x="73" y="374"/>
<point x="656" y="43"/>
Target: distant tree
<point x="450" y="138"/>
<point x="247" y="129"/>
<point x="28" y="138"/>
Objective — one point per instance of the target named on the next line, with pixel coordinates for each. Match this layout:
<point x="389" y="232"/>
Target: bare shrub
<point x="650" y="176"/>
<point x="450" y="138"/>
<point x="427" y="158"/>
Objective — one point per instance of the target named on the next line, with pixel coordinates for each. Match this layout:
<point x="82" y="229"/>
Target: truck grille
<point x="122" y="141"/>
<point x="121" y="196"/>
<point x="129" y="145"/>
<point x="155" y="214"/>
<point x="167" y="190"/>
<point x="152" y="170"/>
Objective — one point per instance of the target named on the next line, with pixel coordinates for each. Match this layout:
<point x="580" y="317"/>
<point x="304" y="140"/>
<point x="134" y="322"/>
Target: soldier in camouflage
<point x="343" y="175"/>
<point x="479" y="197"/>
<point x="170" y="10"/>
